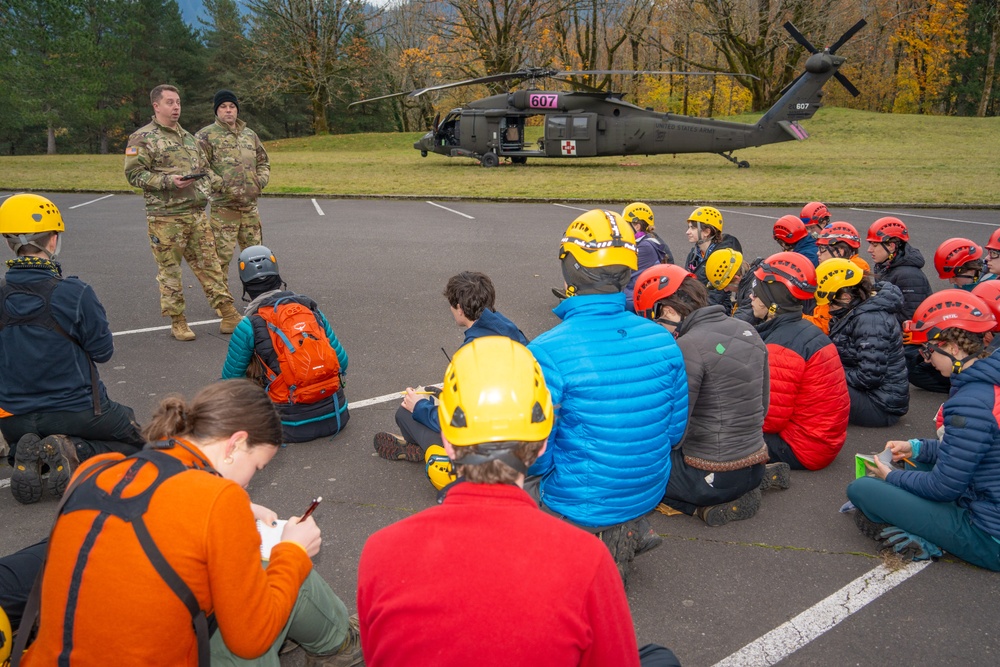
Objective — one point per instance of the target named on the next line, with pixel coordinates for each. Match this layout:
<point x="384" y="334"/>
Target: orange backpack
<point x="309" y="370"/>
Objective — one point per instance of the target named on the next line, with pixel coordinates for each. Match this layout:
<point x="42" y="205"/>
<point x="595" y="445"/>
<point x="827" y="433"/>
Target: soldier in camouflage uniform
<point x="158" y="158"/>
<point x="240" y="162"/>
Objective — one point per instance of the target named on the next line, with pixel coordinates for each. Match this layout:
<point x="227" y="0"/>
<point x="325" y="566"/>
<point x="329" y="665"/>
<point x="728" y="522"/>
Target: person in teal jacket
<point x="620" y="388"/>
<point x="250" y="344"/>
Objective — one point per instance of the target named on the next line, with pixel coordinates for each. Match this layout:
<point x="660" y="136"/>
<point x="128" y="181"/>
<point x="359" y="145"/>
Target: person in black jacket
<point x="899" y="263"/>
<point x="704" y="231"/>
<point x="868" y="339"/>
<point x="718" y="471"/>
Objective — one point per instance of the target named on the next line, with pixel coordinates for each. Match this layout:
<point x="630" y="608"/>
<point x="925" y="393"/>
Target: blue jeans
<point x="945" y="524"/>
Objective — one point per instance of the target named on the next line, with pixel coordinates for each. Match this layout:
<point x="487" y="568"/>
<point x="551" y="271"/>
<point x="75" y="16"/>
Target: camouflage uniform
<point x="178" y="225"/>
<point x="242" y="170"/>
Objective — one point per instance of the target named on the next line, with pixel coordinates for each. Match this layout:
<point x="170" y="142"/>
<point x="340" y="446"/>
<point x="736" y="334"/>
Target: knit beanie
<point x="224" y="96"/>
<point x="778" y="295"/>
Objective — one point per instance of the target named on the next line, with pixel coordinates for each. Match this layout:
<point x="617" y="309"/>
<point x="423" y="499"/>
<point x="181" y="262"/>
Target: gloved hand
<point x="907" y="545"/>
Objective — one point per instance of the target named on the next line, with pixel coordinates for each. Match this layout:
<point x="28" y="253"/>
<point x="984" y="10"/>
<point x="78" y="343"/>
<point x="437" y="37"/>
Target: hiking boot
<point x="59" y="453"/>
<point x="649" y="539"/>
<point x="395" y="448"/>
<point x="179" y="328"/>
<point x="349" y="653"/>
<point x="230" y="318"/>
<point x="869" y="528"/>
<point x="26" y="480"/>
<point x="742" y="508"/>
<point x="776" y="476"/>
<point x="623" y="542"/>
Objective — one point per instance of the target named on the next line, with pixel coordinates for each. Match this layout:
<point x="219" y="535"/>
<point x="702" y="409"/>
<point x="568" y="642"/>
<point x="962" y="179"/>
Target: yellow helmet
<point x="438" y="467"/>
<point x="600" y="238"/>
<point x="6" y="640"/>
<point x="722" y="266"/>
<point x="834" y="274"/>
<point x="494" y="392"/>
<point x="29" y="214"/>
<point x="638" y="212"/>
<point x="706" y="215"/>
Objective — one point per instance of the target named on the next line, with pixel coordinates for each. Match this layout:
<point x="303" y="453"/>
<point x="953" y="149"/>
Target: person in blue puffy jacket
<point x="946" y="494"/>
<point x="620" y="388"/>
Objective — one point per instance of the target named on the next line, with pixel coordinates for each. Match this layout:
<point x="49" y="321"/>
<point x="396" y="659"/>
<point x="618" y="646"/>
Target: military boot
<point x="179" y="328"/>
<point x="230" y="318"/>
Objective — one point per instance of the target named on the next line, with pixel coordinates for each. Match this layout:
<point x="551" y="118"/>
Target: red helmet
<point x="994" y="242"/>
<point x="657" y="282"/>
<point x="792" y="270"/>
<point x="840" y="232"/>
<point x="948" y="309"/>
<point x="815" y="213"/>
<point x="789" y="229"/>
<point x="886" y="229"/>
<point x="989" y="292"/>
<point x="953" y="254"/>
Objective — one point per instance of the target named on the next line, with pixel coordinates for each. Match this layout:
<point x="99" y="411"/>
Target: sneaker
<point x="395" y="448"/>
<point x="649" y="539"/>
<point x="776" y="476"/>
<point x="869" y="528"/>
<point x="742" y="508"/>
<point x="349" y="653"/>
<point x="26" y="480"/>
<point x="623" y="542"/>
<point x="59" y="453"/>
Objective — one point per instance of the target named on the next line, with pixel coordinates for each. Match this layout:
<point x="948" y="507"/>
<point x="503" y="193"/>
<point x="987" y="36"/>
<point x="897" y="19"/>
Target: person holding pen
<point x="134" y="588"/>
<point x="950" y="499"/>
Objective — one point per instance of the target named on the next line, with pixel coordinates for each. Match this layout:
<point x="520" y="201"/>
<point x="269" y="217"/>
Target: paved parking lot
<point x="377" y="269"/>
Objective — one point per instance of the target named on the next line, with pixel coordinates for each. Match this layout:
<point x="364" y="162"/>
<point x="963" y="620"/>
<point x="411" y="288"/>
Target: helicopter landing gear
<point x="741" y="164"/>
<point x="423" y="153"/>
<point x="519" y="159"/>
<point x="489" y="159"/>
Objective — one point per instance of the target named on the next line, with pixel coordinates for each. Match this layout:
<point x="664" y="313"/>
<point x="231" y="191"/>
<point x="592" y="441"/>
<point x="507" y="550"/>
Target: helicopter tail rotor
<point x="800" y="38"/>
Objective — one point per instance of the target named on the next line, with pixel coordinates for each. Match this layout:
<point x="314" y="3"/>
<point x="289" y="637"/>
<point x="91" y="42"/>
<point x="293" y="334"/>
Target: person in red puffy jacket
<point x="806" y="421"/>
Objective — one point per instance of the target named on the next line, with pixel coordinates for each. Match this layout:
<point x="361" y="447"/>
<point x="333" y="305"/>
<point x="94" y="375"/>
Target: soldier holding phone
<point x="169" y="165"/>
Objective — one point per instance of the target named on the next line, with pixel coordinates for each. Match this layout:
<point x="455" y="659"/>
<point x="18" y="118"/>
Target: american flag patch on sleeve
<point x="132" y="150"/>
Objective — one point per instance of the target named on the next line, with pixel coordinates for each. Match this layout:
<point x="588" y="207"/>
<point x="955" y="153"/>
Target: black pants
<point x="17" y="576"/>
<point x="922" y="374"/>
<point x="114" y="430"/>
<point x="654" y="655"/>
<point x="690" y="488"/>
<point x="414" y="431"/>
<point x="865" y="412"/>
<point x="780" y="451"/>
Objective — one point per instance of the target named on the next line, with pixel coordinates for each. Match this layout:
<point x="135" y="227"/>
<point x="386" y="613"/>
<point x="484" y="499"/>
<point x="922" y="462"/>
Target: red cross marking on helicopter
<point x="569" y="147"/>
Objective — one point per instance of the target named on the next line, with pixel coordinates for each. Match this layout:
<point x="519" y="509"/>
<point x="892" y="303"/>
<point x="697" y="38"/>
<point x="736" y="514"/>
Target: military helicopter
<point x="589" y="124"/>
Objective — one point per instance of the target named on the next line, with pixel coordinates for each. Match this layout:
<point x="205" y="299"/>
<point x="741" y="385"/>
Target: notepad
<point x="269" y="536"/>
<point x="861" y="470"/>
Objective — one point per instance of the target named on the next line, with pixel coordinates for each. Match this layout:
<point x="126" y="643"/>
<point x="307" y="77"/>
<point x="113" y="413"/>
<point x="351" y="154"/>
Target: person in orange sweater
<point x="103" y="591"/>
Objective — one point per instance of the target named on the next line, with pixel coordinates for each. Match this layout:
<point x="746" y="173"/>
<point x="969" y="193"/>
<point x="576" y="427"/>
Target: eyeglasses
<point x="927" y="351"/>
<point x="993" y="254"/>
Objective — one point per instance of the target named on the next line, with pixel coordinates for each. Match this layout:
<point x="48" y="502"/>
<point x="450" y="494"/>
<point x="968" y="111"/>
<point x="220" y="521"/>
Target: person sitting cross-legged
<point x="524" y="587"/>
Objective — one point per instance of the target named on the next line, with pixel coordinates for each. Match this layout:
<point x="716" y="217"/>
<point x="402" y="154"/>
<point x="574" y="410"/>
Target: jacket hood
<point x="492" y="324"/>
<point x="591" y="304"/>
<point x="984" y="370"/>
<point x="701" y="316"/>
<point x="908" y="256"/>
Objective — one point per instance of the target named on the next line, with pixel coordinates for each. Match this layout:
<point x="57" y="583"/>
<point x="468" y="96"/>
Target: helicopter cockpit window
<point x="580" y="124"/>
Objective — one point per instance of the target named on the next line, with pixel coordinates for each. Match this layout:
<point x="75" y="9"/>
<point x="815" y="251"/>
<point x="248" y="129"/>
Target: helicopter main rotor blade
<point x="586" y="72"/>
<point x="524" y="74"/>
<point x="847" y="35"/>
<point x="799" y="37"/>
<point x="376" y="99"/>
<point x="846" y="83"/>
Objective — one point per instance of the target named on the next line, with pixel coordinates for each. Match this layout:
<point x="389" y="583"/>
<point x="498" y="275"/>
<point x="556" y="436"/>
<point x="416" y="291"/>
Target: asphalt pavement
<point x="795" y="585"/>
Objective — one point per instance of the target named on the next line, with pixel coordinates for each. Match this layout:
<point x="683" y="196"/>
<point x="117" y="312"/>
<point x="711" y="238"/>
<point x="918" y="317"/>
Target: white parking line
<point x="451" y="210"/>
<point x="161" y="328"/>
<point x="925" y="217"/>
<point x="318" y="209"/>
<point x="91" y="201"/>
<point x="792" y="635"/>
<point x="752" y="215"/>
<point x="573" y="208"/>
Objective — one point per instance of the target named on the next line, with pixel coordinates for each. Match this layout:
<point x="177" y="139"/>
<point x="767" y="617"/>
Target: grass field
<point x="851" y="157"/>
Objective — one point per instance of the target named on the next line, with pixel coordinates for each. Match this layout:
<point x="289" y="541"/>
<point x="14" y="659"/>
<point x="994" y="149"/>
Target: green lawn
<point x="852" y="156"/>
